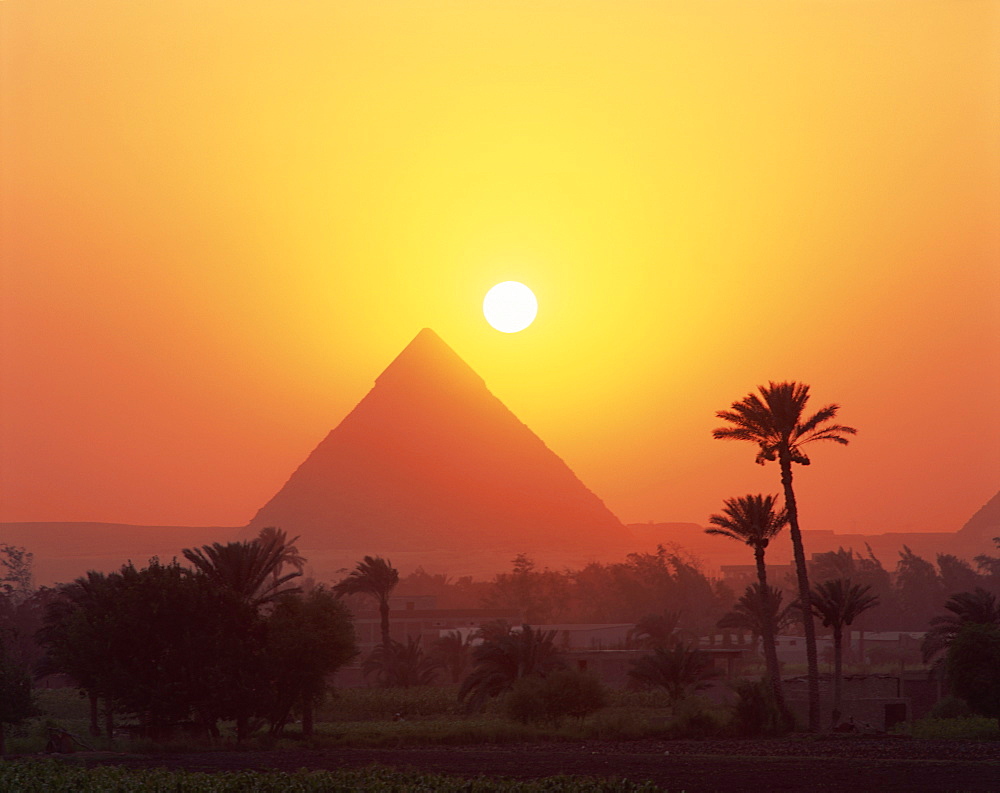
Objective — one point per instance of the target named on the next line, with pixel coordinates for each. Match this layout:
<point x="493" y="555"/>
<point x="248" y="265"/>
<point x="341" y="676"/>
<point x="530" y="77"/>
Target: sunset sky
<point x="222" y="220"/>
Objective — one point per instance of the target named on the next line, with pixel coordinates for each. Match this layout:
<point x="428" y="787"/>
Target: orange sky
<point x="221" y="220"/>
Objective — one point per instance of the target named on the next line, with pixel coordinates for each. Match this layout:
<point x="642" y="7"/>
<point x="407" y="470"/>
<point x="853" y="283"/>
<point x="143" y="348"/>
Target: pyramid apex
<point x="427" y="355"/>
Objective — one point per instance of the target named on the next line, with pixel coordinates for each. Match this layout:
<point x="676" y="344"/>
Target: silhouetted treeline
<point x="620" y="592"/>
<point x="166" y="646"/>
<point x="915" y="591"/>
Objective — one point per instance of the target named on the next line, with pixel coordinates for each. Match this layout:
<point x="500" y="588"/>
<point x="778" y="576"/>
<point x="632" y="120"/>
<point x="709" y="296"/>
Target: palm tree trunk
<point x="767" y="632"/>
<point x="838" y="668"/>
<point x="109" y="721"/>
<point x="307" y="717"/>
<point x="802" y="576"/>
<point x="95" y="724"/>
<point x="383" y="608"/>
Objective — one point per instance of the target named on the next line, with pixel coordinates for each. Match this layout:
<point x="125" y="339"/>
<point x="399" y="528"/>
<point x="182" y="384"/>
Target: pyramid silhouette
<point x="431" y="459"/>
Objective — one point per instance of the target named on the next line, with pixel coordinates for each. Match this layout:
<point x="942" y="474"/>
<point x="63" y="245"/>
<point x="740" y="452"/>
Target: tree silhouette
<point x="973" y="667"/>
<point x="309" y="637"/>
<point x="755" y="521"/>
<point x="681" y="670"/>
<point x="250" y="570"/>
<point x="399" y="665"/>
<point x="16" y="701"/>
<point x="452" y="651"/>
<point x="748" y="613"/>
<point x="373" y="576"/>
<point x="504" y="658"/>
<point x="838" y="603"/>
<point x="657" y="630"/>
<point x="776" y="423"/>
<point x="978" y="607"/>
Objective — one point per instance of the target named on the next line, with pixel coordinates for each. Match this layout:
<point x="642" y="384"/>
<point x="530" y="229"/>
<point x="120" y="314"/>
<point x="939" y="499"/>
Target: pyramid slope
<point x="431" y="459"/>
<point x="985" y="524"/>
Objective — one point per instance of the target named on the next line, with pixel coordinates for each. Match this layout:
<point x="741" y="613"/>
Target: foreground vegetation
<point x="50" y="776"/>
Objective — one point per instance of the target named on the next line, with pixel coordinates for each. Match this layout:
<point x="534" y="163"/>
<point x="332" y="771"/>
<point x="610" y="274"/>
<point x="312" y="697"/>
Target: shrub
<point x="755" y="713"/>
<point x="951" y="708"/>
<point x="696" y="717"/>
<point x="562" y="693"/>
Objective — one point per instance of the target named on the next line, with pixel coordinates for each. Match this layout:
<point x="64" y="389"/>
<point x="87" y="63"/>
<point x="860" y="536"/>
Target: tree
<point x="503" y="659"/>
<point x="309" y="637"/>
<point x="681" y="670"/>
<point x="452" y="652"/>
<point x="657" y="630"/>
<point x="838" y="603"/>
<point x="751" y="611"/>
<point x="538" y="595"/>
<point x="918" y="590"/>
<point x="561" y="693"/>
<point x="15" y="572"/>
<point x="160" y="644"/>
<point x="957" y="575"/>
<point x="77" y="638"/>
<point x="755" y="520"/>
<point x="16" y="701"/>
<point x="978" y="607"/>
<point x="973" y="667"/>
<point x="775" y="421"/>
<point x="376" y="577"/>
<point x="399" y="665"/>
<point x="249" y="569"/>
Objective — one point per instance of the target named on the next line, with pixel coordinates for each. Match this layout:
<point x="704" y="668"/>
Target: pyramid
<point x="430" y="459"/>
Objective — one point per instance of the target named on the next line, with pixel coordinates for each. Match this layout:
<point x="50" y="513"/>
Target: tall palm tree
<point x="247" y="569"/>
<point x="755" y="521"/>
<point x="373" y="576"/>
<point x="838" y="603"/>
<point x="979" y="606"/>
<point x="775" y="421"/>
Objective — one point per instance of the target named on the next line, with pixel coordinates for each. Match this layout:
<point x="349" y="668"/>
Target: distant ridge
<point x="431" y="459"/>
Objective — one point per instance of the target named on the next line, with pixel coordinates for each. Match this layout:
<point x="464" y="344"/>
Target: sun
<point x="510" y="307"/>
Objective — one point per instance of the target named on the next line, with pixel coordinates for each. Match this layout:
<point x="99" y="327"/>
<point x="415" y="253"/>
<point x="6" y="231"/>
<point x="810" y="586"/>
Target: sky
<point x="220" y="221"/>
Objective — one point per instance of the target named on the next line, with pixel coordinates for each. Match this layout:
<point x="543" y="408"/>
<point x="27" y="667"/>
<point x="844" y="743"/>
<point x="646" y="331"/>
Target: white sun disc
<point x="510" y="306"/>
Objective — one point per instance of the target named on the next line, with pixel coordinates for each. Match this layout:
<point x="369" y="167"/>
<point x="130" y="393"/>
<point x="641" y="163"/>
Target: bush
<point x="755" y="713"/>
<point x="695" y="717"/>
<point x="951" y="708"/>
<point x="562" y="693"/>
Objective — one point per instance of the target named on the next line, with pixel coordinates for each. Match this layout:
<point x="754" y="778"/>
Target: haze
<point x="221" y="221"/>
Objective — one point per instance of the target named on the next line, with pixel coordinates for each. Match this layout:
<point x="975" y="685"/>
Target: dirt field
<point x="857" y="763"/>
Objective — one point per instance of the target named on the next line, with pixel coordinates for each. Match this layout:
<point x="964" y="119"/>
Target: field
<point x="435" y="750"/>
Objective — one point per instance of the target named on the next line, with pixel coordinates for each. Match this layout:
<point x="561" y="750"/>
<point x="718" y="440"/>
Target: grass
<point x="965" y="728"/>
<point x="51" y="776"/>
<point x="365" y="717"/>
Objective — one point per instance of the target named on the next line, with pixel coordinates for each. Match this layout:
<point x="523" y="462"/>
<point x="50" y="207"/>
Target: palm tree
<point x="271" y="537"/>
<point x="838" y="603"/>
<point x="681" y="670"/>
<point x="373" y="576"/>
<point x="250" y="570"/>
<point x="399" y="665"/>
<point x="452" y="652"/>
<point x="775" y="421"/>
<point x="505" y="658"/>
<point x="755" y="521"/>
<point x="979" y="607"/>
<point x="657" y="630"/>
<point x="748" y="613"/>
